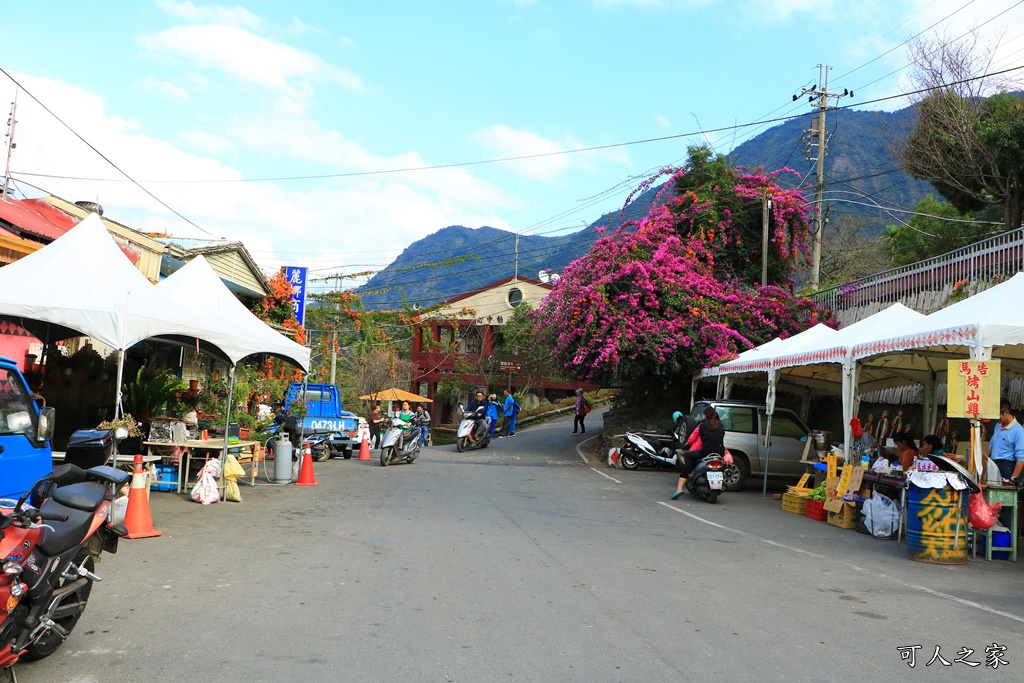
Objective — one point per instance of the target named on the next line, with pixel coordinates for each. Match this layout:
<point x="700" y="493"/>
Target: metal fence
<point x="929" y="285"/>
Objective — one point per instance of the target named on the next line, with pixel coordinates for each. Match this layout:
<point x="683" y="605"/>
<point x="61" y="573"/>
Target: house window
<point x="515" y="297"/>
<point x="472" y="343"/>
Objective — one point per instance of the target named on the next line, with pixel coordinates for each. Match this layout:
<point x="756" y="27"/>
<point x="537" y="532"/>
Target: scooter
<point x="638" y="452"/>
<point x="708" y="478"/>
<point x="472" y="421"/>
<point x="650" y="449"/>
<point x="50" y="541"/>
<point x="400" y="443"/>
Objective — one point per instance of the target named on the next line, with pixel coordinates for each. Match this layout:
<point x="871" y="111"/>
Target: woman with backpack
<point x="582" y="408"/>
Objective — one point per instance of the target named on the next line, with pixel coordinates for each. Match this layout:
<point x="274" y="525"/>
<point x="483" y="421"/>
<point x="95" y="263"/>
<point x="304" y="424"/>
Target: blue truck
<point x="25" y="433"/>
<point x="323" y="415"/>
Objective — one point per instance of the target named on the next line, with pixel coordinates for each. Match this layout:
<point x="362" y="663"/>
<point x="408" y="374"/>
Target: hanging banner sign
<point x="297" y="279"/>
<point x="510" y="366"/>
<point x="973" y="388"/>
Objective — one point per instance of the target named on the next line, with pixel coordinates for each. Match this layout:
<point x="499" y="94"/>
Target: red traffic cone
<point x="306" y="476"/>
<point x="364" y="447"/>
<point x="137" y="519"/>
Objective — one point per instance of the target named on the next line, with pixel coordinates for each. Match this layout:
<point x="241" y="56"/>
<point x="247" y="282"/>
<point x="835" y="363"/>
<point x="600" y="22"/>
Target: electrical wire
<point x="102" y="155"/>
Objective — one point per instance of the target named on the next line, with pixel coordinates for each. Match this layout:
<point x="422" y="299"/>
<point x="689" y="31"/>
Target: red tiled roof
<point x="36" y="218"/>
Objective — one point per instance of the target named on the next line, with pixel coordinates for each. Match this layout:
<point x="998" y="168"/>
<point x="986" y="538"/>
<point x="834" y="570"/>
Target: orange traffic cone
<point x="306" y="476"/>
<point x="137" y="519"/>
<point x="364" y="447"/>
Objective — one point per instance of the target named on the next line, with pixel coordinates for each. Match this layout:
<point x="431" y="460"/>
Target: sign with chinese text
<point x="297" y="279"/>
<point x="973" y="389"/>
<point x="510" y="366"/>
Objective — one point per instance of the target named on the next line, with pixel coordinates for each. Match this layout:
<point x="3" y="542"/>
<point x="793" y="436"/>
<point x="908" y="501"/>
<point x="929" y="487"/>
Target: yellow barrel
<point x="936" y="525"/>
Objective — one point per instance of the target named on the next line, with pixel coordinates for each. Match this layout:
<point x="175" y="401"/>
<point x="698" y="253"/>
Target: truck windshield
<point x="16" y="413"/>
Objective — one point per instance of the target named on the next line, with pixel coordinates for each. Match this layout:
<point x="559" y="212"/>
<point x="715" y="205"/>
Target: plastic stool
<point x="1007" y="496"/>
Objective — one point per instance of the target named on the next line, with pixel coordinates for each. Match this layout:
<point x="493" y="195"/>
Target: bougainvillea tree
<point x="675" y="291"/>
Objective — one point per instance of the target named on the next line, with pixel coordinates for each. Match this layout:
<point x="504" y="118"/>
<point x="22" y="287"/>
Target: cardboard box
<point x="846" y="518"/>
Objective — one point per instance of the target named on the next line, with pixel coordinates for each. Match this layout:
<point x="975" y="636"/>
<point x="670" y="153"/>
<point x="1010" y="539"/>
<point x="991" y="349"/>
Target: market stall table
<point x="187" y="447"/>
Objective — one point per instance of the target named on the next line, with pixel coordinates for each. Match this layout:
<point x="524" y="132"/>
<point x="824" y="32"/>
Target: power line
<point x="102" y="155"/>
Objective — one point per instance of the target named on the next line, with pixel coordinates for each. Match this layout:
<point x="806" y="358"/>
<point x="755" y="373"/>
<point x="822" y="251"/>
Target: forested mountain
<point x="859" y="172"/>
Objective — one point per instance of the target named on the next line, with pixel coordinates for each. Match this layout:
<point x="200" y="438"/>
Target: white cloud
<point x="215" y="14"/>
<point x="662" y="121"/>
<point x="164" y="89"/>
<point x="297" y="27"/>
<point x="550" y="160"/>
<point x="248" y="57"/>
<point x="316" y="224"/>
<point x="345" y="41"/>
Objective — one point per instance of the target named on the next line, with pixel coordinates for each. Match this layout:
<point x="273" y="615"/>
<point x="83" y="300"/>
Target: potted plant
<point x="144" y="396"/>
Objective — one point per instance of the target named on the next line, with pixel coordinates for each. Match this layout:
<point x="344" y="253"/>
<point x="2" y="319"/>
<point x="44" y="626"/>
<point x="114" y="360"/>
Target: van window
<point x="783" y="425"/>
<point x="16" y="416"/>
<point x="736" y="419"/>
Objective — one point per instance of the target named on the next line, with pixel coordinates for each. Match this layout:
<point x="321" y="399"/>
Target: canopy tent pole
<point x="773" y="376"/>
<point x="929" y="399"/>
<point x="118" y="410"/>
<point x="227" y="427"/>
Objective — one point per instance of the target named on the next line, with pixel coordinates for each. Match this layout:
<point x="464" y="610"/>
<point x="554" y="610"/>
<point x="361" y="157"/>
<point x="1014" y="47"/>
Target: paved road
<point x="523" y="563"/>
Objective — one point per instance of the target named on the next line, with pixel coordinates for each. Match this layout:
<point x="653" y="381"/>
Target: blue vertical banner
<point x="297" y="279"/>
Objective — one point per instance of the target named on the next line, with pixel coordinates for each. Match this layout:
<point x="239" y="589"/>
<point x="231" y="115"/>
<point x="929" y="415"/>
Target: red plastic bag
<point x="727" y="457"/>
<point x="980" y="513"/>
<point x="856" y="429"/>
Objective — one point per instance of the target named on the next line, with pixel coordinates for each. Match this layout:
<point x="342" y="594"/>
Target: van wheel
<point x="736" y="474"/>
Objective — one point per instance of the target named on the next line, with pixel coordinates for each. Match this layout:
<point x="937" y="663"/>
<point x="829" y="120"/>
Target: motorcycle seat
<point x="67" y="534"/>
<point x="86" y="495"/>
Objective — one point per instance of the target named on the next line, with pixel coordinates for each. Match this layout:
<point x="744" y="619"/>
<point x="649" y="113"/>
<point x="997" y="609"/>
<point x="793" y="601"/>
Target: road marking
<point x="893" y="579"/>
<point x="579" y="452"/>
<point x="606" y="476"/>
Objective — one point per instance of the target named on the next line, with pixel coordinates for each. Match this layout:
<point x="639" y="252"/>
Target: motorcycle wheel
<point x="386" y="455"/>
<point x="629" y="460"/>
<point x="712" y="497"/>
<point x="461" y="444"/>
<point x="321" y="454"/>
<point x="66" y="616"/>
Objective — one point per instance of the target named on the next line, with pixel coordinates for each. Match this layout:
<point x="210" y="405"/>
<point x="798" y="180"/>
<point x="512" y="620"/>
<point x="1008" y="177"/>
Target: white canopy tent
<point x="198" y="287"/>
<point x="762" y="361"/>
<point x="830" y="358"/>
<point x="83" y="285"/>
<point x="984" y="326"/>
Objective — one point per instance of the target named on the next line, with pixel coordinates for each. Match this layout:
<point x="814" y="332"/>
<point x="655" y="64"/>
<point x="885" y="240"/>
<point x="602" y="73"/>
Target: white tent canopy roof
<point x="83" y="285"/>
<point x="763" y="361"/>
<point x="834" y="348"/>
<point x="986" y="320"/>
<point x="197" y="287"/>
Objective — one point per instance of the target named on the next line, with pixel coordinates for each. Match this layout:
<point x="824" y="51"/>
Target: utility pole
<point x="334" y="332"/>
<point x="11" y="144"/>
<point x="766" y="207"/>
<point x="819" y="97"/>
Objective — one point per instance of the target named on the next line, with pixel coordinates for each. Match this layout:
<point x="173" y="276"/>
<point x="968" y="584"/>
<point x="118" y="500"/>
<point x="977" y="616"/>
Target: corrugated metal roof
<point x="35" y="218"/>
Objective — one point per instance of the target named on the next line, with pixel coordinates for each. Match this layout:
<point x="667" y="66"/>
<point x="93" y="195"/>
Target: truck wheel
<point x="347" y="453"/>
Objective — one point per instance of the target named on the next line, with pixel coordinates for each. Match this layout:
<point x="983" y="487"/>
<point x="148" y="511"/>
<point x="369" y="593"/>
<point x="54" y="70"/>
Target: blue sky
<point x="213" y="94"/>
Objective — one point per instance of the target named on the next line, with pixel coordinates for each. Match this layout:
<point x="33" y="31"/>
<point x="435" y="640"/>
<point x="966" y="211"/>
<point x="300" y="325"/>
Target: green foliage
<point x="146" y="394"/>
<point x="930" y="235"/>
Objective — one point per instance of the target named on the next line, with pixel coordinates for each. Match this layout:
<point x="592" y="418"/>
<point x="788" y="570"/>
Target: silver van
<point x="745" y="426"/>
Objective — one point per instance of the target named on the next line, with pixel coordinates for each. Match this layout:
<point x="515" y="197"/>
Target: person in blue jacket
<point x="492" y="412"/>
<point x="508" y="427"/>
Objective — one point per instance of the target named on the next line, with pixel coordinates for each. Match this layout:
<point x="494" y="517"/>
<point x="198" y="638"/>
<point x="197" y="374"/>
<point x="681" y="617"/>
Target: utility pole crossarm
<point x="819" y="97"/>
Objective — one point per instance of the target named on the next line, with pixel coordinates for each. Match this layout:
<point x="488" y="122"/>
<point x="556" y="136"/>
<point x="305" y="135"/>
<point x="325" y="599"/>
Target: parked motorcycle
<point x="475" y="425"/>
<point x="50" y="541"/>
<point x="400" y="443"/>
<point x="648" y="449"/>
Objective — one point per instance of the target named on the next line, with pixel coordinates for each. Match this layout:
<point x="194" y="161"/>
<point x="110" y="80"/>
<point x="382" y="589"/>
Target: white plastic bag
<point x="205" y="491"/>
<point x="881" y="515"/>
